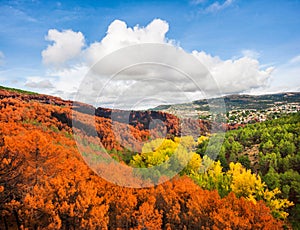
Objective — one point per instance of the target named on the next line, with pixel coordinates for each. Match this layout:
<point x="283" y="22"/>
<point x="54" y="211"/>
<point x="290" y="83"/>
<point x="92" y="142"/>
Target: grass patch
<point x="17" y="90"/>
<point x="32" y="122"/>
<point x="69" y="135"/>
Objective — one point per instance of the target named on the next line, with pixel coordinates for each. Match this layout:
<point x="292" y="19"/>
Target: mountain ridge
<point x="229" y="98"/>
<point x="273" y="103"/>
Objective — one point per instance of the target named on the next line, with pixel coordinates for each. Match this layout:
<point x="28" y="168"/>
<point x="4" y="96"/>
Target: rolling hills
<point x="235" y="103"/>
<point x="46" y="181"/>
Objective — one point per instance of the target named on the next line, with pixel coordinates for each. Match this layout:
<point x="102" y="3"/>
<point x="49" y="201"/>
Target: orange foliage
<point x="44" y="183"/>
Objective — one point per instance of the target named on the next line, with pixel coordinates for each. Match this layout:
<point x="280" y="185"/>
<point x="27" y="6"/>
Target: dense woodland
<point x="46" y="184"/>
<point x="270" y="149"/>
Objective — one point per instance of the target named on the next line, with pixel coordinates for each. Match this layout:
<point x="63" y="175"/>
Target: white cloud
<point x="66" y="46"/>
<point x="197" y="2"/>
<point x="216" y="6"/>
<point x="235" y="76"/>
<point x="128" y="88"/>
<point x="286" y="77"/>
<point x="67" y="80"/>
<point x="295" y="60"/>
<point x="120" y="35"/>
<point x="38" y="83"/>
<point x="251" y="54"/>
<point x="1" y="58"/>
<point x="156" y="76"/>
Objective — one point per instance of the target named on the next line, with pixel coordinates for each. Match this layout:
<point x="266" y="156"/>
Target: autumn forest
<point x="47" y="182"/>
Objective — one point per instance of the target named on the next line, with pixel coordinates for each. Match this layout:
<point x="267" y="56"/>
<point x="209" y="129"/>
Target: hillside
<point x="287" y="101"/>
<point x="142" y="123"/>
<point x="47" y="183"/>
<point x="270" y="149"/>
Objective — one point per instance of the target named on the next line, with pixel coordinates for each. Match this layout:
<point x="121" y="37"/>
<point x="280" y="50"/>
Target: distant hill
<point x="234" y="102"/>
<point x="260" y="102"/>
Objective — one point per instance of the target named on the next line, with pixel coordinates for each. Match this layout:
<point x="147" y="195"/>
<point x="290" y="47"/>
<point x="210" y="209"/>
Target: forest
<point x="45" y="182"/>
<point x="271" y="150"/>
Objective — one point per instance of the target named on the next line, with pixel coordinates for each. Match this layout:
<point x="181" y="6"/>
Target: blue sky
<point x="269" y="30"/>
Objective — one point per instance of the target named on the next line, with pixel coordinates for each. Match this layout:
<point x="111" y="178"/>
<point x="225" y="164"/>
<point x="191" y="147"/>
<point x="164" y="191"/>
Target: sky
<point x="247" y="46"/>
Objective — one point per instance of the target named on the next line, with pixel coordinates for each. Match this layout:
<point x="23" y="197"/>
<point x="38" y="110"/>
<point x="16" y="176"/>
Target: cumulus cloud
<point x="67" y="80"/>
<point x="235" y="76"/>
<point x="120" y="35"/>
<point x="163" y="73"/>
<point x="286" y="77"/>
<point x="66" y="46"/>
<point x="166" y="82"/>
<point x="38" y="83"/>
<point x="141" y="82"/>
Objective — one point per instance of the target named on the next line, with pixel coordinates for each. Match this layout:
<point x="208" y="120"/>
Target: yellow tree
<point x="248" y="185"/>
<point x="243" y="182"/>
